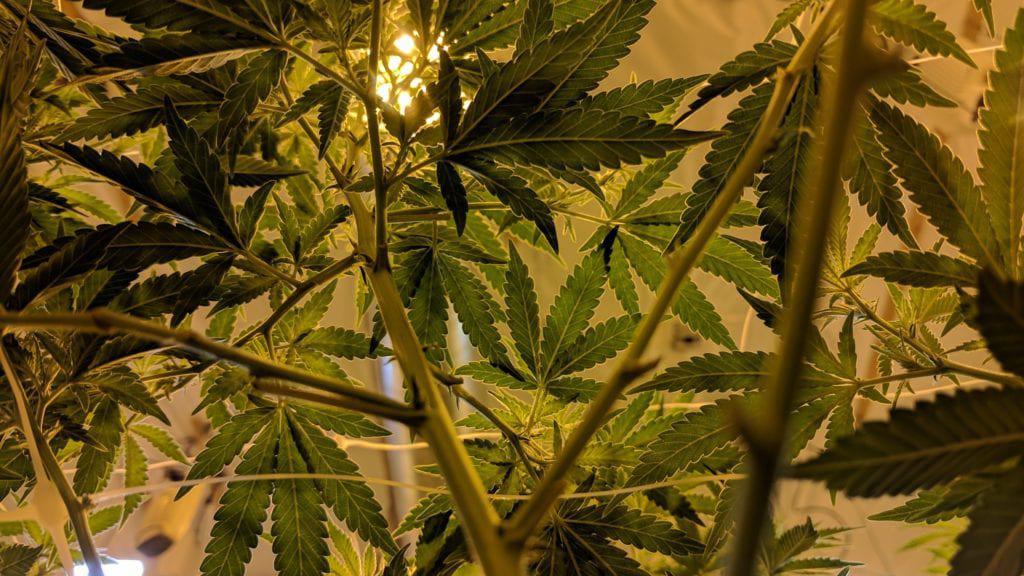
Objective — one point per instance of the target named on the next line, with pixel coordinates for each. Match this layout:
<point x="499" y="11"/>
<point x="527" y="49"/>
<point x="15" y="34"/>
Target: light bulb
<point x="405" y="44"/>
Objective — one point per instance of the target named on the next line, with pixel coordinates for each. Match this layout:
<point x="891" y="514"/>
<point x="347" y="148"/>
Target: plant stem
<point x="982" y="374"/>
<point x="262" y="266"/>
<point x="766" y="435"/>
<point x="105" y="321"/>
<point x="922" y="373"/>
<point x="681" y="262"/>
<point x="943" y="363"/>
<point x="380" y="185"/>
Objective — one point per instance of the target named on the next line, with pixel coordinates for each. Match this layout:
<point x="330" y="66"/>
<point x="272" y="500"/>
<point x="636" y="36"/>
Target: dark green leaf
<point x="920" y="448"/>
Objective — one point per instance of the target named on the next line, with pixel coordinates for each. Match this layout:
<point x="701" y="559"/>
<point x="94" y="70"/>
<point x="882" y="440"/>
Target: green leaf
<point x="476" y="309"/>
<point x="985" y="7"/>
<point x="939" y="504"/>
<point x="139" y="111"/>
<point x="870" y="176"/>
<point x="249" y="171"/>
<point x="198" y="287"/>
<point x="522" y="310"/>
<point x="621" y="280"/>
<point x="993" y="543"/>
<point x="906" y="86"/>
<point x="596" y="345"/>
<point x="645" y="183"/>
<point x="161" y="440"/>
<point x="514" y="192"/>
<point x="75" y="258"/>
<point x="490" y="374"/>
<point x="732" y="263"/>
<point x="578" y="139"/>
<point x="299" y="529"/>
<point x="454" y="193"/>
<point x="177" y="15"/>
<point x="135" y="474"/>
<point x="538" y="23"/>
<point x="341" y="422"/>
<point x="700" y="434"/>
<point x="428" y="309"/>
<point x="788" y="16"/>
<point x="558" y="71"/>
<point x="722" y="372"/>
<point x="96" y="462"/>
<point x="572" y="309"/>
<point x="915" y="25"/>
<point x="201" y="173"/>
<point x="137" y="180"/>
<point x="725" y="372"/>
<point x="921" y="269"/>
<point x="947" y="441"/>
<point x="127" y="389"/>
<point x="937" y="182"/>
<point x="222" y="449"/>
<point x="489" y="24"/>
<point x="1002" y="143"/>
<point x="176" y="54"/>
<point x="1001" y="319"/>
<point x="725" y="153"/>
<point x="351" y="500"/>
<point x="633" y="528"/>
<point x="338" y="342"/>
<point x="693" y="309"/>
<point x="252" y="212"/>
<point x="746" y="70"/>
<point x="690" y="305"/>
<point x="17" y="560"/>
<point x="252" y="86"/>
<point x="238" y="522"/>
<point x="17" y="68"/>
<point x="142" y="244"/>
<point x="647" y="98"/>
<point x="298" y="321"/>
<point x="784" y="175"/>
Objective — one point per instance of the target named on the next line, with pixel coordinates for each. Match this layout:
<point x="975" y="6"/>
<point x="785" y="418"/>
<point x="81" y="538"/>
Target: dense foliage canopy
<point x="418" y="150"/>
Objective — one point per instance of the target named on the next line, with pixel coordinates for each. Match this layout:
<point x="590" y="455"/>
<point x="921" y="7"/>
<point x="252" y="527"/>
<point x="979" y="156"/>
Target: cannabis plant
<point x="436" y="157"/>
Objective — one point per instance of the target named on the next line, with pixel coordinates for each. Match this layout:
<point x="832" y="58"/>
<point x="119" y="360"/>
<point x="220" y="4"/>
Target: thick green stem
<point x="630" y="364"/>
<point x="766" y="435"/>
<point x="105" y="321"/>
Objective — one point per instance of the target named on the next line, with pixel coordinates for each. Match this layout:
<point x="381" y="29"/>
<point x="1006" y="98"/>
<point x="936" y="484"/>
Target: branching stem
<point x="105" y="321"/>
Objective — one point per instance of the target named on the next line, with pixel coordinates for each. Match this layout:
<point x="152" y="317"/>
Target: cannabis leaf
<point x="1001" y="139"/>
<point x="875" y="460"/>
<point x="937" y="181"/>
<point x="913" y="268"/>
<point x="915" y="25"/>
<point x="1000" y="318"/>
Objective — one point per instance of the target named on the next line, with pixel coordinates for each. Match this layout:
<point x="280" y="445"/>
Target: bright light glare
<point x="405" y="44"/>
<point x="121" y="568"/>
<point x="404" y="99"/>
